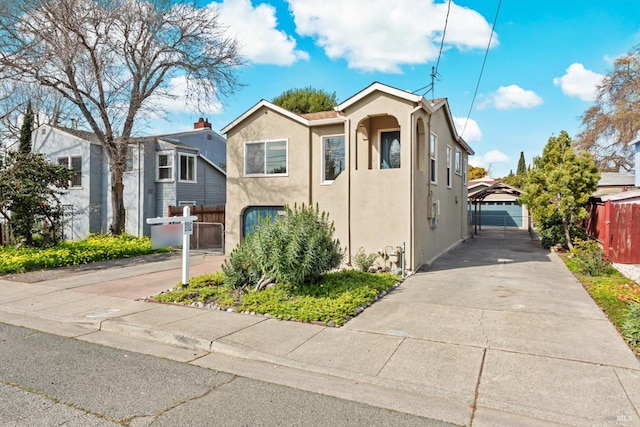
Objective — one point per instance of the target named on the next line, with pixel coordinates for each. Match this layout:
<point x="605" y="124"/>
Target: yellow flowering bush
<point x="94" y="248"/>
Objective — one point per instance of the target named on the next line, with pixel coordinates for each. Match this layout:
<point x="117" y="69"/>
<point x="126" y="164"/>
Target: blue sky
<point x="540" y="74"/>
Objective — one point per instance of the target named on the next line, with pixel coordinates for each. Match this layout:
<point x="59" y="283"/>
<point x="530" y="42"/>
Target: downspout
<point x="310" y="163"/>
<point x="607" y="229"/>
<point x="140" y="195"/>
<point x="349" y="160"/>
<point x="413" y="135"/>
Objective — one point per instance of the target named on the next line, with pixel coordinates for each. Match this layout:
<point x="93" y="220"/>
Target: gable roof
<point x="419" y="100"/>
<point x="216" y="167"/>
<point x="497" y="188"/>
<point x="337" y="116"/>
<point x="324" y="117"/>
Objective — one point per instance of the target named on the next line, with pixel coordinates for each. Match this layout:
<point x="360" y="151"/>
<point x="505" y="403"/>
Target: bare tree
<point x="49" y="108"/>
<point x="614" y="120"/>
<point x="114" y="59"/>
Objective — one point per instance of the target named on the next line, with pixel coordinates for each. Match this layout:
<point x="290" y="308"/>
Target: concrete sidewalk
<point x="497" y="332"/>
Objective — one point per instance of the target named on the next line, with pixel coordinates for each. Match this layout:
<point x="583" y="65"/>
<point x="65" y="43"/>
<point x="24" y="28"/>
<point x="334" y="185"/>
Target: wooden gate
<point x="208" y="231"/>
<point x="617" y="227"/>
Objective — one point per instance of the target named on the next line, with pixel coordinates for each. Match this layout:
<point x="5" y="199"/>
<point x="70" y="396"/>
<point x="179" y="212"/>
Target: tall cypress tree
<point x="26" y="131"/>
<point x="522" y="165"/>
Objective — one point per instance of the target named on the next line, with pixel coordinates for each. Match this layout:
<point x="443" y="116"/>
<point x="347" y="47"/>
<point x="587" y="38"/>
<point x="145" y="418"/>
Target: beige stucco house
<point x="387" y="165"/>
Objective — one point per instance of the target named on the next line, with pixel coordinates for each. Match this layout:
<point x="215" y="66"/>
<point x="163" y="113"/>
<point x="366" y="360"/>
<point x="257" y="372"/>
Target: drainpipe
<point x="413" y="138"/>
<point x="350" y="164"/>
<point x="607" y="229"/>
<point x="140" y="195"/>
<point x="310" y="163"/>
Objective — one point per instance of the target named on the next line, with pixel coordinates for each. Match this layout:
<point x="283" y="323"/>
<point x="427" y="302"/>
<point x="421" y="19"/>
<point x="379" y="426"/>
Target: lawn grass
<point x="336" y="298"/>
<point x="94" y="248"/>
<point x="613" y="292"/>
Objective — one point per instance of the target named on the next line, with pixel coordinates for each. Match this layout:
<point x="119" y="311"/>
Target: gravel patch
<point x="632" y="271"/>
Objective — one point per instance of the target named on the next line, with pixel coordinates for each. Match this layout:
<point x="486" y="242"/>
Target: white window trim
<point x="265" y="142"/>
<point x="322" y="180"/>
<point x="131" y="149"/>
<point x="458" y="155"/>
<point x="464" y="169"/>
<point x="195" y="168"/>
<point x="449" y="167"/>
<point x="69" y="166"/>
<point x="380" y="132"/>
<point x="433" y="155"/>
<point x="172" y="162"/>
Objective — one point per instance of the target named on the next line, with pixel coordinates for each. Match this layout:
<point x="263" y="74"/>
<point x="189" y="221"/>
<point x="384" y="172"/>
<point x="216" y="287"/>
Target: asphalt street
<point x="48" y="380"/>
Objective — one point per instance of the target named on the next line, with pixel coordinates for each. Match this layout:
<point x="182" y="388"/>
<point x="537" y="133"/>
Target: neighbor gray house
<point x="170" y="170"/>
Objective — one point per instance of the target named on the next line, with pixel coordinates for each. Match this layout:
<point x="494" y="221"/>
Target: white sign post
<point x="187" y="230"/>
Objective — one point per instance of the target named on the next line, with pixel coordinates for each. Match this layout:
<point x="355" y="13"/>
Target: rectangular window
<point x="458" y="164"/>
<point x="74" y="164"/>
<point x="464" y="171"/>
<point x="164" y="171"/>
<point x="187" y="171"/>
<point x="433" y="152"/>
<point x="390" y="149"/>
<point x="449" y="160"/>
<point x="332" y="157"/>
<point x="266" y="158"/>
<point x="130" y="155"/>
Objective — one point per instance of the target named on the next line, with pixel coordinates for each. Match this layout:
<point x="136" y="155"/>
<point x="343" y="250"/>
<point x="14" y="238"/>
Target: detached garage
<point x="495" y="204"/>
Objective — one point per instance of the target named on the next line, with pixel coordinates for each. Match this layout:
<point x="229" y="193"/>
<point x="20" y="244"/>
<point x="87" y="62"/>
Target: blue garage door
<point x="253" y="214"/>
<point x="501" y="214"/>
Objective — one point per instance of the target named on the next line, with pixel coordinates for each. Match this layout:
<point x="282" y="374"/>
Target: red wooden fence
<point x="617" y="227"/>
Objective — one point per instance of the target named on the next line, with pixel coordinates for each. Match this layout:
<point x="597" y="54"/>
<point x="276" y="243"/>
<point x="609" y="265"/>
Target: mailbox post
<point x="187" y="230"/>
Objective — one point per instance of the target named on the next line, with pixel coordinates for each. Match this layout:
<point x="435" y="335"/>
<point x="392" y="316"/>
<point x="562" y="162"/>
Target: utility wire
<point x="434" y="71"/>
<point x="486" y="53"/>
<point x="444" y="31"/>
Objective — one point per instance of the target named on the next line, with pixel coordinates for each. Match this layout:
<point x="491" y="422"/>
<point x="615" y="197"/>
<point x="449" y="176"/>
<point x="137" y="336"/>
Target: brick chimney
<point x="202" y="124"/>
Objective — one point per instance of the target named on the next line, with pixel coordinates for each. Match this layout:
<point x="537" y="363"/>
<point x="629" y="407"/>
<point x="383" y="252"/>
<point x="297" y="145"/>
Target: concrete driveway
<point x="496" y="332"/>
<point x="502" y="324"/>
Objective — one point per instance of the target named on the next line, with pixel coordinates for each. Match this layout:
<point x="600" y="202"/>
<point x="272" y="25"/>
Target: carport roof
<point x="497" y="188"/>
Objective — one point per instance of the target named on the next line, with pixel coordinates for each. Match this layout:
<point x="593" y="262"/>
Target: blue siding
<point x="500" y="214"/>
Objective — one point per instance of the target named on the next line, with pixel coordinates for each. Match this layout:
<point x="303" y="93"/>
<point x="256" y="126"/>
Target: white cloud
<point x="579" y="82"/>
<point x="256" y="31"/>
<point x="511" y="97"/>
<point x="489" y="160"/>
<point x="468" y="129"/>
<point x="375" y="35"/>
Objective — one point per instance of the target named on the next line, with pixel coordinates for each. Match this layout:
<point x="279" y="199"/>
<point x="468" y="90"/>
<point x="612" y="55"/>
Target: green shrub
<point x="631" y="326"/>
<point x="364" y="261"/>
<point x="589" y="259"/>
<point x="94" y="248"/>
<point x="297" y="247"/>
<point x="551" y="232"/>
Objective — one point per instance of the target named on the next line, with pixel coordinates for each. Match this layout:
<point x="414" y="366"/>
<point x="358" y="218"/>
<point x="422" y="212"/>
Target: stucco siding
<point x="376" y="202"/>
<point x="244" y="191"/>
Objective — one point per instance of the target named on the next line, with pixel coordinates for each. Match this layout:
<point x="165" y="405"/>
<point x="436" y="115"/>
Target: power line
<point x="434" y="70"/>
<point x="444" y="31"/>
<point x="486" y="53"/>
